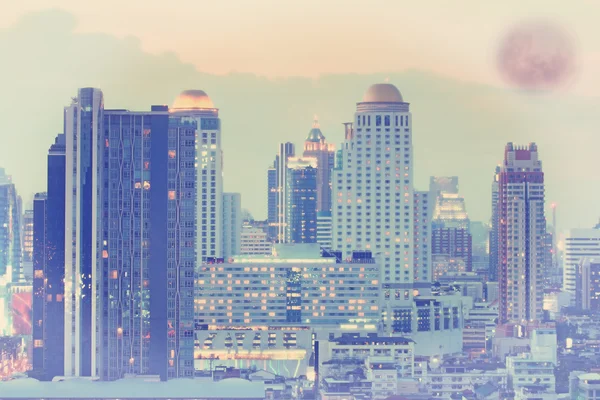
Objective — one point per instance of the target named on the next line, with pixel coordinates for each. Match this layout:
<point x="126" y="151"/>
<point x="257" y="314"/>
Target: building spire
<point x="316" y="121"/>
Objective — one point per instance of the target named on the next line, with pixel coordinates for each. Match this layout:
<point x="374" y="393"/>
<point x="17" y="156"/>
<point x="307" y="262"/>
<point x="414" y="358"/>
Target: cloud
<point x="460" y="128"/>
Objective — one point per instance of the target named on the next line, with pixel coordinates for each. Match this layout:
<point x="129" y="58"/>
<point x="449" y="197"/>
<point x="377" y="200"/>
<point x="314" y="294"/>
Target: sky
<point x="270" y="66"/>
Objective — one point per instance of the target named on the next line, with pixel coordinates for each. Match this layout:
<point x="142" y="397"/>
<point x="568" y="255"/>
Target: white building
<point x="543" y="345"/>
<point x="525" y="370"/>
<point x="232" y="224"/>
<point x="295" y="285"/>
<point x="374" y="200"/>
<point x="83" y="230"/>
<point x="453" y="378"/>
<point x="254" y="242"/>
<point x="480" y="326"/>
<point x="584" y="386"/>
<point x="199" y="108"/>
<point x="580" y="245"/>
<point x="325" y="229"/>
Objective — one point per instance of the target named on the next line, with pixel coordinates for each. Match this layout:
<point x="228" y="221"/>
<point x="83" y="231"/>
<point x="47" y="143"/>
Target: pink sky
<point x="311" y="37"/>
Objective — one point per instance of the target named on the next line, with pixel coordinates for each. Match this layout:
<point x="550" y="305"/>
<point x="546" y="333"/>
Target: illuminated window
<point x="171" y="195"/>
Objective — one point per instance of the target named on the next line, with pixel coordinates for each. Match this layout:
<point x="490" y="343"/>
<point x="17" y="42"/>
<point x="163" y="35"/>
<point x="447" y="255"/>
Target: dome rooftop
<point x="315" y="134"/>
<point x="383" y="93"/>
<point x="192" y="99"/>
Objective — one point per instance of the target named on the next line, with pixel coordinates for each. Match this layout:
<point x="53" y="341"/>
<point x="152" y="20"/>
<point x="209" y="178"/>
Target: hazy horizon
<point x="460" y="125"/>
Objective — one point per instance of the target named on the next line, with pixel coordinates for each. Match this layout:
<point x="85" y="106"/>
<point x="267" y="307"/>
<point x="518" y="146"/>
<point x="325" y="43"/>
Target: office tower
<point x="522" y="227"/>
<point x="588" y="285"/>
<point x="27" y="256"/>
<point x="272" y="201"/>
<point x="39" y="296"/>
<point x="232" y="224"/>
<point x="301" y="207"/>
<point x="254" y="241"/>
<point x="580" y="245"/>
<point x="494" y="230"/>
<point x="325" y="229"/>
<point x="373" y="188"/>
<point x="316" y="146"/>
<point x="84" y="239"/>
<point x="49" y="267"/>
<point x="452" y="243"/>
<point x="423" y="208"/>
<point x="450" y="237"/>
<point x="286" y="150"/>
<point x="194" y="106"/>
<point x="282" y="296"/>
<point x="10" y="230"/>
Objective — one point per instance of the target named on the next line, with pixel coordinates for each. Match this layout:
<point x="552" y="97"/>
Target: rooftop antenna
<point x="315" y="121"/>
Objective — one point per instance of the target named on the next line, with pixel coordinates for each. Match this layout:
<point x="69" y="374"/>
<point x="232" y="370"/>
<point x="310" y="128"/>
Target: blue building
<point x="301" y="208"/>
<point x="48" y="264"/>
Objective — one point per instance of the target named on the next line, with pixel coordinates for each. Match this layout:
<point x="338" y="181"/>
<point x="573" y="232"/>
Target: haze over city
<point x="316" y="200"/>
<point x="268" y="87"/>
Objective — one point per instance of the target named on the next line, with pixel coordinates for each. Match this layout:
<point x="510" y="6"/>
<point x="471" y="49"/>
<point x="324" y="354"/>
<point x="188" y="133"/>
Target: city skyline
<point x="495" y="114"/>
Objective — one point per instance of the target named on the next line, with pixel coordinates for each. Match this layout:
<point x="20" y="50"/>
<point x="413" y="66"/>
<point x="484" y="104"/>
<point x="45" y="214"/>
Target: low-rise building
<point x="584" y="386"/>
<point x="454" y="377"/>
<point x="524" y="370"/>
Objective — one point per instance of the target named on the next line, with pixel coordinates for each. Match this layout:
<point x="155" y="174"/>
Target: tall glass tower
<point x="302" y="195"/>
<point x="83" y="225"/>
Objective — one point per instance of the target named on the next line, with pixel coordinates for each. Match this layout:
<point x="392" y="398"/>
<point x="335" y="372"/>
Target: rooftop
<point x="233" y="388"/>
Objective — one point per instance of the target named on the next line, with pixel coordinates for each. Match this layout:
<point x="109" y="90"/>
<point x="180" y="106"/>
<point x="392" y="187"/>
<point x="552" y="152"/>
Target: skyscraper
<point x="232" y="224"/>
<point x="494" y="230"/>
<point x="522" y="227"/>
<point x="317" y="147"/>
<point x="83" y="224"/>
<point x="272" y="201"/>
<point x="450" y="237"/>
<point x="49" y="267"/>
<point x="195" y="107"/>
<point x="581" y="245"/>
<point x="286" y="150"/>
<point x="27" y="256"/>
<point x="10" y="230"/>
<point x="374" y="208"/>
<point x="301" y="208"/>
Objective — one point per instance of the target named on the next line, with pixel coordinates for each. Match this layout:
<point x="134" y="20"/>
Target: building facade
<point x="324" y="229"/>
<point x="10" y="230"/>
<point x="301" y="208"/>
<point x="374" y="207"/>
<point x="316" y="146"/>
<point x="83" y="228"/>
<point x="581" y="245"/>
<point x="296" y="285"/>
<point x="494" y="229"/>
<point x="254" y="242"/>
<point x="232" y="224"/>
<point x="27" y="254"/>
<point x="522" y="227"/>
<point x="588" y="286"/>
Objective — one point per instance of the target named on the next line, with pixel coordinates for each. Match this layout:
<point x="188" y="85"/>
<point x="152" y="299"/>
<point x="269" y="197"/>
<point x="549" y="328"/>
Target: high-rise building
<point x="324" y="229"/>
<point x="374" y="208"/>
<point x="10" y="230"/>
<point x="452" y="243"/>
<point x="195" y="107"/>
<point x="301" y="208"/>
<point x="286" y="150"/>
<point x="480" y="240"/>
<point x="316" y="146"/>
<point x="580" y="245"/>
<point x="272" y="202"/>
<point x="494" y="229"/>
<point x="84" y="238"/>
<point x="422" y="259"/>
<point x="588" y="285"/>
<point x="522" y="227"/>
<point x="49" y="267"/>
<point x="27" y="256"/>
<point x="232" y="224"/>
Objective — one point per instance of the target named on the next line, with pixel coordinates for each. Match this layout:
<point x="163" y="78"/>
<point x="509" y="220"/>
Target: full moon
<point x="537" y="56"/>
